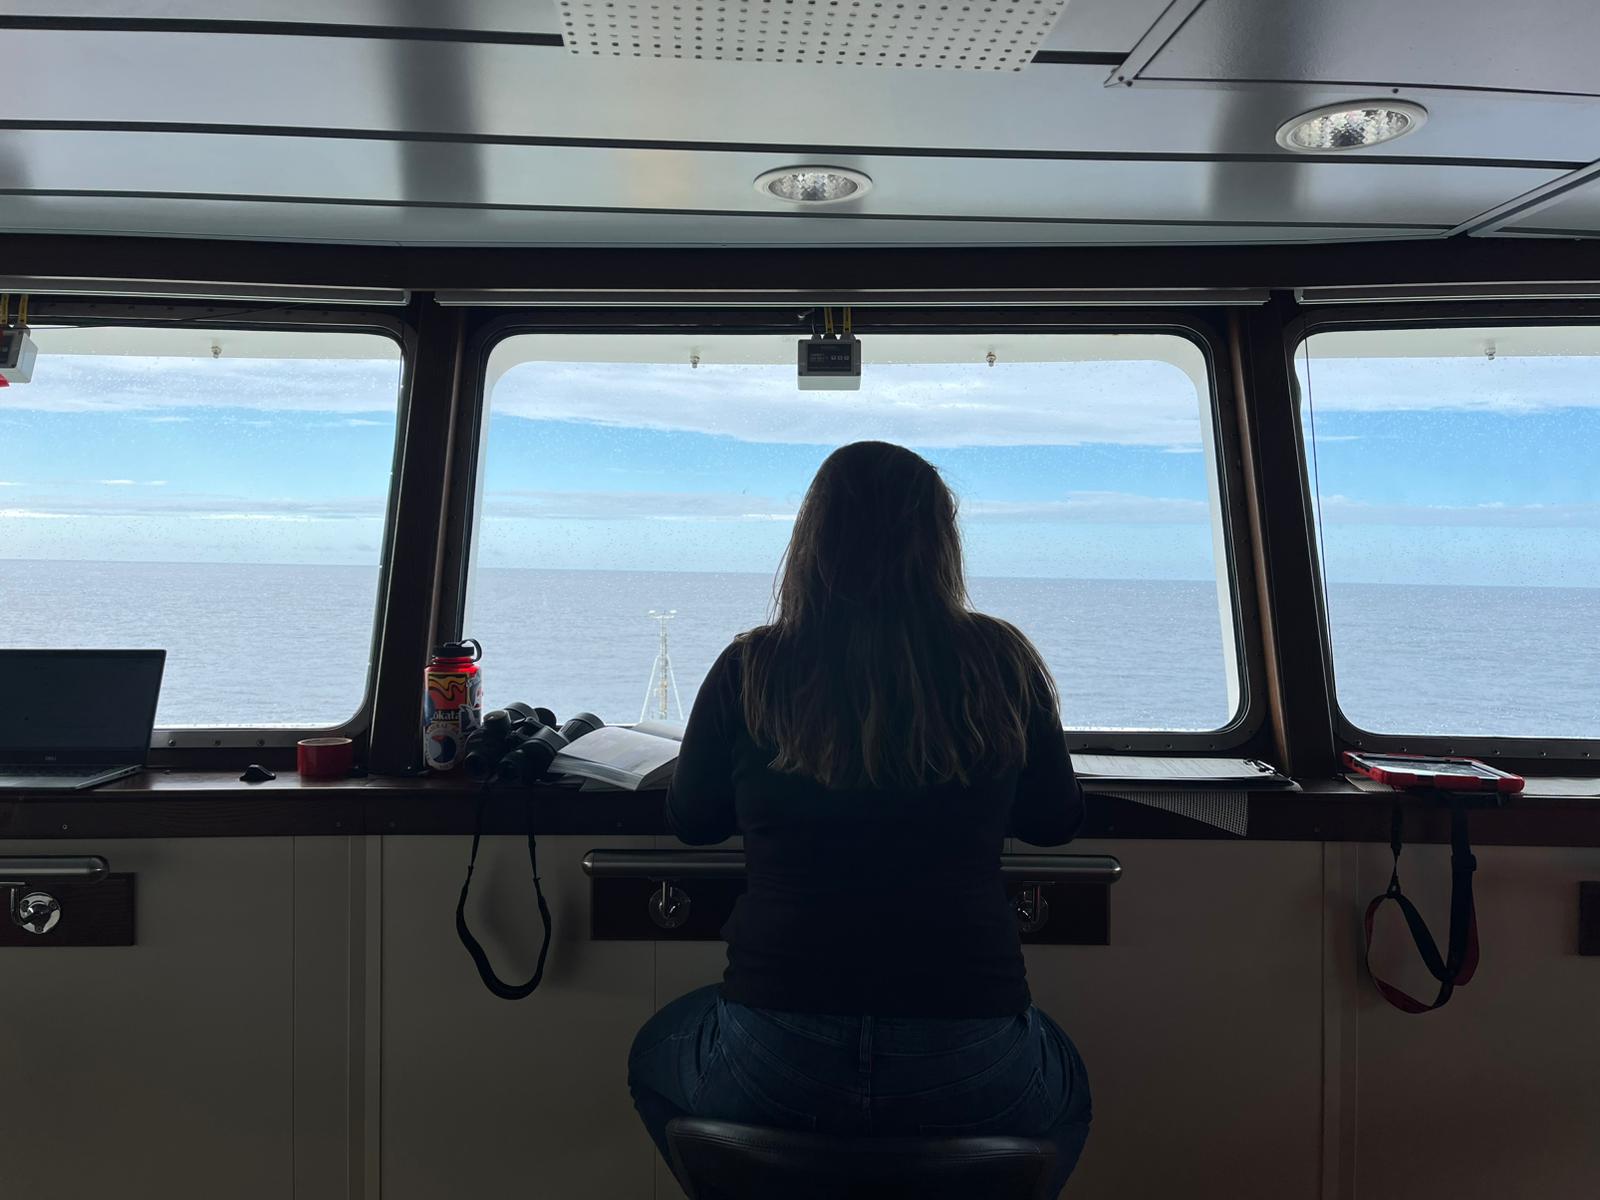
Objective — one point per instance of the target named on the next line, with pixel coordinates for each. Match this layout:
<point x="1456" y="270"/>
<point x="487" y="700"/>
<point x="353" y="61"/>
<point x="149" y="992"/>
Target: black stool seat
<point x="720" y="1160"/>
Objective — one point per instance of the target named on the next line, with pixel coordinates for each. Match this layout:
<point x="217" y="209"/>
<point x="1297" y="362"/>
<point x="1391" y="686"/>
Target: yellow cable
<point x="827" y="321"/>
<point x="22" y="311"/>
<point x="5" y="307"/>
<point x="847" y="322"/>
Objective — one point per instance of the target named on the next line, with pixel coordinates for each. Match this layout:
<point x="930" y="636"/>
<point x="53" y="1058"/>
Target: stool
<point x="720" y="1160"/>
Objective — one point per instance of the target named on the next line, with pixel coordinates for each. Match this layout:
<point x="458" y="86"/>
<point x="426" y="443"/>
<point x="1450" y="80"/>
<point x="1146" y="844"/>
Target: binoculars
<point x="517" y="743"/>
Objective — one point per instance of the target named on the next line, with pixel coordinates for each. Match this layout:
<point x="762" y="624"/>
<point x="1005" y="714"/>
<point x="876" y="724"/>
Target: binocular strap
<point x="506" y="991"/>
<point x="1459" y="963"/>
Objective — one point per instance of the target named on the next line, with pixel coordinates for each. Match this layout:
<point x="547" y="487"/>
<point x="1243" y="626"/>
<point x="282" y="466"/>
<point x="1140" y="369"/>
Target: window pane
<point x="619" y="478"/>
<point x="220" y="494"/>
<point x="1459" y="508"/>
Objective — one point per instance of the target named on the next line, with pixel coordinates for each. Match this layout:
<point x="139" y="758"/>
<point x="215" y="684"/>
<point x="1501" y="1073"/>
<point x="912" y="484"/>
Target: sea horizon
<point x="289" y="644"/>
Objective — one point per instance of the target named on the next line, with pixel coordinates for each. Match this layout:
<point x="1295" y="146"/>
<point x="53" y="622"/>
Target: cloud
<point x="298" y="518"/>
<point x="623" y="506"/>
<point x="132" y="482"/>
<point x="1342" y="510"/>
<point x="1076" y="507"/>
<point x="155" y="387"/>
<point x="927" y="405"/>
<point x="9" y="483"/>
<point x="1520" y="385"/>
<point x="1144" y="403"/>
<point x="208" y="506"/>
<point x="1118" y="508"/>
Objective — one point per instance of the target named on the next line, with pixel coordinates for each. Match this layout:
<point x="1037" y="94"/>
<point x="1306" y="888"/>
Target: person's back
<point x="874" y="745"/>
<point x="880" y="901"/>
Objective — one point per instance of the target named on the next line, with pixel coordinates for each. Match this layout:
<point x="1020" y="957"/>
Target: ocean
<point x="289" y="645"/>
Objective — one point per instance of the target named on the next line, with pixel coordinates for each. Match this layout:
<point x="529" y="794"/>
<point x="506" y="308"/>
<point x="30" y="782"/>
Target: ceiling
<point x="468" y="122"/>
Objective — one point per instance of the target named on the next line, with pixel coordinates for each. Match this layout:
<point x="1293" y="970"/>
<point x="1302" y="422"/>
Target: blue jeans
<point x="861" y="1076"/>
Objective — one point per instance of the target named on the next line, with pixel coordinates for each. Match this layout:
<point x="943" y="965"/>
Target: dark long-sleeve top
<point x="886" y="903"/>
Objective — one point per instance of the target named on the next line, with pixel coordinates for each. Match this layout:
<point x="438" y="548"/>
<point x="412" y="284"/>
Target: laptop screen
<point x="79" y="706"/>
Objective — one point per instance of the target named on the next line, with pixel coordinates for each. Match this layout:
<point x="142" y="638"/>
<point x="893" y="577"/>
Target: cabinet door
<point x="483" y="1096"/>
<point x="1498" y="1093"/>
<point x="164" y="1069"/>
<point x="1200" y="1024"/>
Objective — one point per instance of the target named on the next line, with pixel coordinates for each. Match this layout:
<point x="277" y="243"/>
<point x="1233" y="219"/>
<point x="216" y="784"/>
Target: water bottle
<point x="454" y="704"/>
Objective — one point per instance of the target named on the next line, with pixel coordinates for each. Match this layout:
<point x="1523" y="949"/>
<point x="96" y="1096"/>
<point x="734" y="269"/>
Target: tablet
<point x="1441" y="772"/>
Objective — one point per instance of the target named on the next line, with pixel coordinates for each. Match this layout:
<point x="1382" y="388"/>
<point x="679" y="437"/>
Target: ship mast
<point x="663" y="683"/>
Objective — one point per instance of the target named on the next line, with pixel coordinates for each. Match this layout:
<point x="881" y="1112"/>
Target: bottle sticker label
<point x="448" y="702"/>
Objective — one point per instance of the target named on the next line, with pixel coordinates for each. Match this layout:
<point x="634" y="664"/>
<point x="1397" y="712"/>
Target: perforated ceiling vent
<point x="976" y="36"/>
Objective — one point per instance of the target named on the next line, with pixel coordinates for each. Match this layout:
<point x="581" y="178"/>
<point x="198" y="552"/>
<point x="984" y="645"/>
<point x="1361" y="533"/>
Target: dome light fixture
<point x="810" y="185"/>
<point x="1353" y="125"/>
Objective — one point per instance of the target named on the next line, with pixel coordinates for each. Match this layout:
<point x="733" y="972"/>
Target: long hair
<point x="875" y="673"/>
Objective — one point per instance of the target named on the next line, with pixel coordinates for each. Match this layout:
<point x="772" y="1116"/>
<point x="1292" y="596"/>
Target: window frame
<point x="1199" y="327"/>
<point x="181" y="745"/>
<point x="1547" y="754"/>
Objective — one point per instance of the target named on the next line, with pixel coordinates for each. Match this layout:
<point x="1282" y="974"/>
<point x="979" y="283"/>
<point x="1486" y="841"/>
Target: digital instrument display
<point x="1433" y="771"/>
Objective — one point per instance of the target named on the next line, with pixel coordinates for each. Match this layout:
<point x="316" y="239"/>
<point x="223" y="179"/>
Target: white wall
<point x="299" y="1021"/>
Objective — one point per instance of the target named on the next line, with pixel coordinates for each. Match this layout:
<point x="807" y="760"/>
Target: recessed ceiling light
<point x="814" y="185"/>
<point x="1351" y="126"/>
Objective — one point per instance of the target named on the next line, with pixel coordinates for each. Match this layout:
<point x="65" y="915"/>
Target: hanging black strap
<point x="493" y="982"/>
<point x="1460" y="960"/>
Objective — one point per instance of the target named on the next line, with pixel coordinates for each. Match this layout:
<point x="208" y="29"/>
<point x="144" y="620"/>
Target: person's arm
<point x="1048" y="810"/>
<point x="700" y="806"/>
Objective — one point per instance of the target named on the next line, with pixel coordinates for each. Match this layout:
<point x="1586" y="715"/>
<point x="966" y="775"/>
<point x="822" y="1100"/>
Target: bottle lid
<point x="467" y="648"/>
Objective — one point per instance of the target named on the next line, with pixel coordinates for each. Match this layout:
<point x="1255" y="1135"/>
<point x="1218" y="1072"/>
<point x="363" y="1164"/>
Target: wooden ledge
<point x="167" y="802"/>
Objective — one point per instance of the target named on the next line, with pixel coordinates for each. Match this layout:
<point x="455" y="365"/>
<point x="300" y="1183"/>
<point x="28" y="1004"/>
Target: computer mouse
<point x="256" y="773"/>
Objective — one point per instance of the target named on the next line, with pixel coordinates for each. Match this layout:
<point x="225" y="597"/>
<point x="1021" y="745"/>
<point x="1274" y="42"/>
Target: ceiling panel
<point x="1533" y="234"/>
<point x="1575" y="212"/>
<point x="1110" y="26"/>
<point x="268" y="221"/>
<point x="529" y="91"/>
<point x="1103" y="26"/>
<point x="454" y="173"/>
<point x="505" y="16"/>
<point x="1535" y="45"/>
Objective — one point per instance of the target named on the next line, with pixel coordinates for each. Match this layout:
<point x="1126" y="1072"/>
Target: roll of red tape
<point x="325" y="757"/>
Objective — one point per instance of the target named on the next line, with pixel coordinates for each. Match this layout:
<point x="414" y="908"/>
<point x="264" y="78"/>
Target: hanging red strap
<point x="1456" y="967"/>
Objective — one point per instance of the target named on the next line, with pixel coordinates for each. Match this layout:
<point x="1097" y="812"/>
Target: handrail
<point x="1062" y="868"/>
<point x="18" y="870"/>
<point x="659" y="865"/>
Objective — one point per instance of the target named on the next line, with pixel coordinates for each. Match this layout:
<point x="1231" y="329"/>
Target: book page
<point x="617" y="750"/>
<point x="661" y="729"/>
<point x="1157" y="769"/>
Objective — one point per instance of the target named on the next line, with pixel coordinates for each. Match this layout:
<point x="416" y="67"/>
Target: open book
<point x="1156" y="770"/>
<point x="619" y="756"/>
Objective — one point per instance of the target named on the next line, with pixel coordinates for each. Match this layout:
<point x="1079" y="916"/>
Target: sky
<point x="1427" y="470"/>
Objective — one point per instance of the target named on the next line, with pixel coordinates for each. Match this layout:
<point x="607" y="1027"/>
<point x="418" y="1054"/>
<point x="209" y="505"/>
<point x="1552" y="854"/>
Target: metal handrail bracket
<point x="19" y="870"/>
<point x="661" y="865"/>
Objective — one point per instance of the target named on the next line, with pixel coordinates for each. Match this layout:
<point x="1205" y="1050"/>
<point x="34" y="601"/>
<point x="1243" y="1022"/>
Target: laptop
<point x="76" y="718"/>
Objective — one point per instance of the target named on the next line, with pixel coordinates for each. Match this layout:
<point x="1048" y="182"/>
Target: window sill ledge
<point x="172" y="803"/>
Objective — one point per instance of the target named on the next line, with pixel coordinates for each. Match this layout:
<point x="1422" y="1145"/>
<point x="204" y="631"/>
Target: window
<point x="628" y="475"/>
<point x="219" y="493"/>
<point x="1458" y="502"/>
